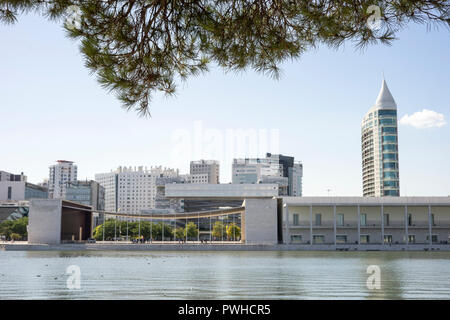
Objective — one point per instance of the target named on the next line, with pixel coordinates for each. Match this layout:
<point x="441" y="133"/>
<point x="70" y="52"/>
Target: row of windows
<point x="364" y="238"/>
<point x="389" y="147"/>
<point x="390" y="175"/>
<point x="390" y="165"/>
<point x="389" y="139"/>
<point x="392" y="113"/>
<point x="363" y="219"/>
<point x="388" y="121"/>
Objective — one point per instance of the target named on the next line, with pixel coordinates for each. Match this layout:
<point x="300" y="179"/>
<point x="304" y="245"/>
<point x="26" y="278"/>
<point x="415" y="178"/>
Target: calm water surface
<point x="224" y="275"/>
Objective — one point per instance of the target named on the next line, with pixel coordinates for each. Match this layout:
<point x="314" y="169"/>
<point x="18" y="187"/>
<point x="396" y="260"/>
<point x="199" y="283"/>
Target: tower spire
<point x="385" y="98"/>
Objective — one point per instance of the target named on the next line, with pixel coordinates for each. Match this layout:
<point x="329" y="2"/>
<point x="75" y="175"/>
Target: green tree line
<point x="14" y="229"/>
<point x="156" y="230"/>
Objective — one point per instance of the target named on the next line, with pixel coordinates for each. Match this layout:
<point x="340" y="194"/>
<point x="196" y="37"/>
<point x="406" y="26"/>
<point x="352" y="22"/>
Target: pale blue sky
<point x="52" y="108"/>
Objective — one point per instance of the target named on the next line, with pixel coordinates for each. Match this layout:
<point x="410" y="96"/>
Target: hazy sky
<point x="52" y="108"/>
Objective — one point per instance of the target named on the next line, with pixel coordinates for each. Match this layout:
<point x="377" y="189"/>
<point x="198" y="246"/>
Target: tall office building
<point x="379" y="141"/>
<point x="274" y="168"/>
<point x="204" y="171"/>
<point x="132" y="190"/>
<point x="60" y="175"/>
<point x="90" y="193"/>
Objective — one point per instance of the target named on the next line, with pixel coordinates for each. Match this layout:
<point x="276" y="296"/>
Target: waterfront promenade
<point x="215" y="246"/>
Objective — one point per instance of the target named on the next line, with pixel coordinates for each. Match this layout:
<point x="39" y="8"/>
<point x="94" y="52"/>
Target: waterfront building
<point x="206" y="197"/>
<point x="204" y="171"/>
<point x="60" y="175"/>
<point x="366" y="222"/>
<point x="379" y="140"/>
<point x="132" y="190"/>
<point x="274" y="168"/>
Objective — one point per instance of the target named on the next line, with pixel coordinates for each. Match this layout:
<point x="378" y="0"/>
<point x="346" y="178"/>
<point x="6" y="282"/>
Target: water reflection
<point x="224" y="275"/>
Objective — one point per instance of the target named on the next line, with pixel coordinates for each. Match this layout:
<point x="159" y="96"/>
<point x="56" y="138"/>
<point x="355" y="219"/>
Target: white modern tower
<point x="59" y="176"/>
<point x="379" y="141"/>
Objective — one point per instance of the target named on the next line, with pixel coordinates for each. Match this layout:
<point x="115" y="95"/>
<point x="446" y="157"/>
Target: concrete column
<point x="406" y="225"/>
<point x="334" y="223"/>
<point x="359" y="225"/>
<point x="288" y="233"/>
<point x="382" y="224"/>
<point x="430" y="231"/>
<point x="310" y="226"/>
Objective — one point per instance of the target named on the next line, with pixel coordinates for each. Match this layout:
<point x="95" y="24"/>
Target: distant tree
<point x="18" y="228"/>
<point x="233" y="231"/>
<point x="180" y="233"/>
<point x="219" y="230"/>
<point x="138" y="47"/>
<point x="191" y="231"/>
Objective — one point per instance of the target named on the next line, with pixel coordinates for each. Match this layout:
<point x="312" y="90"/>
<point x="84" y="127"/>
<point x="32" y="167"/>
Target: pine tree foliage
<point x="137" y="47"/>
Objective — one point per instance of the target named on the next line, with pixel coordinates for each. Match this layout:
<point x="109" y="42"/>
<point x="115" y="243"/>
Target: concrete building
<point x="6" y="176"/>
<point x="366" y="222"/>
<point x="60" y="175"/>
<point x="204" y="171"/>
<point x="53" y="221"/>
<point x="275" y="168"/>
<point x="132" y="189"/>
<point x="207" y="197"/>
<point x="21" y="190"/>
<point x="379" y="140"/>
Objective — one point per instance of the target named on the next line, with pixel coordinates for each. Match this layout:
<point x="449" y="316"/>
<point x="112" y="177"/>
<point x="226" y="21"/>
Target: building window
<point x="9" y="193"/>
<point x="341" y="238"/>
<point x="434" y="238"/>
<point x="432" y="220"/>
<point x="318" y="220"/>
<point x="296" y="238"/>
<point x="387" y="238"/>
<point x="296" y="220"/>
<point x="411" y="238"/>
<point x="318" y="239"/>
<point x="364" y="238"/>
<point x="386" y="219"/>
<point x="409" y="219"/>
<point x="340" y="219"/>
<point x="363" y="219"/>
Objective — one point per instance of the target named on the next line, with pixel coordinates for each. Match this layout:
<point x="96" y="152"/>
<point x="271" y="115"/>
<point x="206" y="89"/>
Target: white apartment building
<point x="60" y="175"/>
<point x="132" y="189"/>
<point x="204" y="171"/>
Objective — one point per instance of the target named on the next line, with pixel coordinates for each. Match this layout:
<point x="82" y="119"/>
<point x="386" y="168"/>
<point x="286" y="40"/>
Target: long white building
<point x="60" y="175"/>
<point x="132" y="189"/>
<point x="379" y="140"/>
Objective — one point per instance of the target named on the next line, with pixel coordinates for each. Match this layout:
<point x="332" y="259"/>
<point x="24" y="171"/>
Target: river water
<point x="223" y="275"/>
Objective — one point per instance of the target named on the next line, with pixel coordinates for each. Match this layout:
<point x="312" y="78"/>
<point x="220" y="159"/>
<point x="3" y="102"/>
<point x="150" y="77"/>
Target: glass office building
<point x="379" y="139"/>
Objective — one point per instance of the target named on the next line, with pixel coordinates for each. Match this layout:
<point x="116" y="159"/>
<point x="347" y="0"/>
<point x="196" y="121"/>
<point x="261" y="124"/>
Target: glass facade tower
<point x="379" y="140"/>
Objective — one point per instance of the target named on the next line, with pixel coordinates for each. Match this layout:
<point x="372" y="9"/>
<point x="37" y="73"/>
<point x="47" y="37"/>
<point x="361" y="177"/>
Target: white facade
<point x="204" y="171"/>
<point x="132" y="190"/>
<point x="379" y="145"/>
<point x="60" y="175"/>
